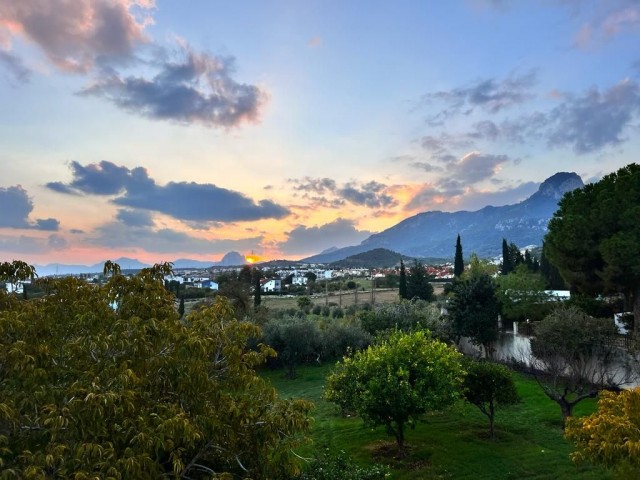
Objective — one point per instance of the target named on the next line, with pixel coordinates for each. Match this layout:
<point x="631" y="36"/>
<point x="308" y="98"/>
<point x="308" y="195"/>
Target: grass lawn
<point x="453" y="444"/>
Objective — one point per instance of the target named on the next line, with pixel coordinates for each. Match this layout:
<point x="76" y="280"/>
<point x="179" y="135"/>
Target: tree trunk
<point x="636" y="311"/>
<point x="399" y="434"/>
<point x="567" y="410"/>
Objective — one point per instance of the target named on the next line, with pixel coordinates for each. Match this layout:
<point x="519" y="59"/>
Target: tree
<point x="257" y="291"/>
<point x="611" y="435"/>
<point x="473" y="311"/>
<point x="402" y="290"/>
<point x="16" y="273"/>
<point x="489" y="386"/>
<point x="506" y="259"/>
<point x="304" y="302"/>
<point x="297" y="340"/>
<point x="478" y="267"/>
<point x="406" y="316"/>
<point x="397" y="381"/>
<point x="594" y="237"/>
<point x="181" y="307"/>
<point x="107" y="382"/>
<point x="550" y="273"/>
<point x="522" y="295"/>
<point x="418" y="285"/>
<point x="246" y="275"/>
<point x="575" y="358"/>
<point x="458" y="262"/>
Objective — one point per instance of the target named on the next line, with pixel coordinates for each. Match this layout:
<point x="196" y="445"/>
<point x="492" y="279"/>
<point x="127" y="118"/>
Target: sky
<point x="172" y="129"/>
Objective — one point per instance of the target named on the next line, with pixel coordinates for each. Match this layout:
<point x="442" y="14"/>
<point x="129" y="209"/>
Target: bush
<point x="333" y="467"/>
<point x="405" y="316"/>
<point x="326" y="311"/>
<point x="316" y="310"/>
<point x="338" y="338"/>
<point x="338" y="312"/>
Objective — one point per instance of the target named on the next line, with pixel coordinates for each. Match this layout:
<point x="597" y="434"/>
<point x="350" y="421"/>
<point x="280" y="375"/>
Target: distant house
<point x="210" y="284"/>
<point x="299" y="281"/>
<point x="271" y="285"/>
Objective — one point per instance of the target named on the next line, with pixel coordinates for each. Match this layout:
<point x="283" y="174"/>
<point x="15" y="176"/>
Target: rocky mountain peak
<point x="557" y="185"/>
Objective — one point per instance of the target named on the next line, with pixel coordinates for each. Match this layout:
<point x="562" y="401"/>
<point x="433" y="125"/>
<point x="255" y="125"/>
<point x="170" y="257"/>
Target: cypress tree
<point x="403" y="281"/>
<point x="458" y="264"/>
<point x="257" y="293"/>
<point x="181" y="307"/>
<point x="506" y="258"/>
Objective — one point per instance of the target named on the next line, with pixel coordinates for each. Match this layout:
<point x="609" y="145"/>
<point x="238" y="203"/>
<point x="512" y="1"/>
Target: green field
<point x="453" y="444"/>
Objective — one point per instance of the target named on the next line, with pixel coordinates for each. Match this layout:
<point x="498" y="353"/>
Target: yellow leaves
<point x="611" y="435"/>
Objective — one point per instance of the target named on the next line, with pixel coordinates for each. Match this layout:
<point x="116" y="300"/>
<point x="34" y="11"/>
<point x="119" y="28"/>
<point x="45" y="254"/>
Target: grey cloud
<point x="488" y="94"/>
<point x="186" y="201"/>
<point x="104" y="178"/>
<point x="476" y="167"/>
<point x="370" y="194"/>
<point x="56" y="242"/>
<point x="197" y="88"/>
<point x="339" y="233"/>
<point x="23" y="245"/>
<point x="15" y="67"/>
<point x="16" y="208"/>
<point x="316" y="185"/>
<point x="426" y="166"/>
<point x="610" y="20"/>
<point x="135" y="218"/>
<point x="595" y="120"/>
<point x="119" y="235"/>
<point x="76" y="35"/>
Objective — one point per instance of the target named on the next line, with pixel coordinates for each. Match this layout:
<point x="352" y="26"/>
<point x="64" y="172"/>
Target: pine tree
<point x="418" y="285"/>
<point x="458" y="264"/>
<point x="403" y="281"/>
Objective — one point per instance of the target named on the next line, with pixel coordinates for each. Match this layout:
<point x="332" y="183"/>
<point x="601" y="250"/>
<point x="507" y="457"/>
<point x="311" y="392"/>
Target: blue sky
<point x="170" y="129"/>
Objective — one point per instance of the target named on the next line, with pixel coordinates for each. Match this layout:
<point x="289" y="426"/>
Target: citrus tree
<point x="107" y="382"/>
<point x="611" y="435"/>
<point x="397" y="381"/>
<point x="489" y="386"/>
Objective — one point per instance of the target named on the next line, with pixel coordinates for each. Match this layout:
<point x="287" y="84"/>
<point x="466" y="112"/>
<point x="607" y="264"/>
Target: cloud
<point x="586" y="123"/>
<point x="77" y="35"/>
<point x="326" y="192"/>
<point x="487" y="94"/>
<point x="370" y="195"/>
<point x="195" y="88"/>
<point x="16" y="208"/>
<point x="475" y="167"/>
<point x="430" y="197"/>
<point x="119" y="235"/>
<point x="15" y="66"/>
<point x="135" y="218"/>
<point x="186" y="201"/>
<point x="339" y="233"/>
<point x="31" y="245"/>
<point x="596" y="119"/>
<point x="620" y="17"/>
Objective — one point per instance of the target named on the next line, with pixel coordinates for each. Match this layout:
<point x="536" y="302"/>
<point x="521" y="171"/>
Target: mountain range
<point x="433" y="233"/>
<point x="425" y="235"/>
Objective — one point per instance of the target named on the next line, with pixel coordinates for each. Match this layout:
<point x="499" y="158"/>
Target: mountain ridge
<point x="433" y="233"/>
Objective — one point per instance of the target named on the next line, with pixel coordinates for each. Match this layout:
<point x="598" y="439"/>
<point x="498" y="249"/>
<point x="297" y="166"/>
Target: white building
<point x="272" y="285"/>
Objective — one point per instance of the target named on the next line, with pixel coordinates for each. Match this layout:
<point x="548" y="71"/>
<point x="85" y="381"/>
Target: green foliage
<point x="397" y="381"/>
<point x="479" y="267"/>
<point x="91" y="391"/>
<point x="611" y="435"/>
<point x="405" y="316"/>
<point x="316" y="310"/>
<point x="304" y="303"/>
<point x="473" y="311"/>
<point x="181" y="307"/>
<point x="594" y="236"/>
<point x="15" y="273"/>
<point x="458" y="261"/>
<point x="489" y="386"/>
<point x="511" y="257"/>
<point x="340" y="466"/>
<point x="297" y="341"/>
<point x="418" y="285"/>
<point x="522" y="295"/>
<point x="402" y="289"/>
<point x="576" y="356"/>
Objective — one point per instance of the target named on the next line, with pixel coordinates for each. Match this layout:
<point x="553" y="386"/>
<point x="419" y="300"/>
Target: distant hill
<point x="433" y="234"/>
<point x="231" y="259"/>
<point x="376" y="258"/>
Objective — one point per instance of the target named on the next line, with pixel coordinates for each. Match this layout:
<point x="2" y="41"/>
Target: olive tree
<point x="575" y="357"/>
<point x="397" y="381"/>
